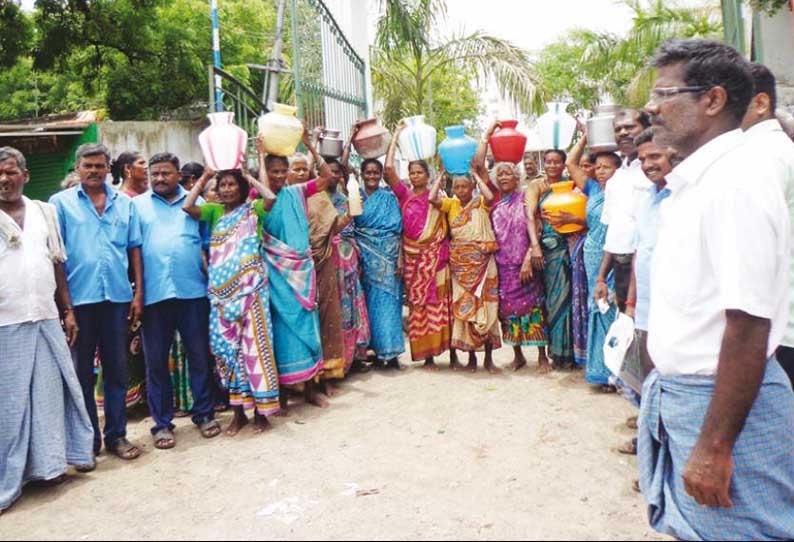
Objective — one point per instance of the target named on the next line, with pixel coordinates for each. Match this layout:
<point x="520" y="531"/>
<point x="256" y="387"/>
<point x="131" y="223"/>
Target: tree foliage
<point x="412" y="56"/>
<point x="619" y="65"/>
<point x="136" y="58"/>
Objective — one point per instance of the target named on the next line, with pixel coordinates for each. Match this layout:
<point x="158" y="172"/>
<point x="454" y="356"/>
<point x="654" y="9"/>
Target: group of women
<point x="301" y="291"/>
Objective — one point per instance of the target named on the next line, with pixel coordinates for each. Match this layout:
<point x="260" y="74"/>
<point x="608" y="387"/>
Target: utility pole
<point x="216" y="53"/>
<point x="276" y="62"/>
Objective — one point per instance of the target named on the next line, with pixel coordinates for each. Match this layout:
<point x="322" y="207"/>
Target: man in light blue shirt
<point x="656" y="164"/>
<point x="102" y="237"/>
<point x="175" y="287"/>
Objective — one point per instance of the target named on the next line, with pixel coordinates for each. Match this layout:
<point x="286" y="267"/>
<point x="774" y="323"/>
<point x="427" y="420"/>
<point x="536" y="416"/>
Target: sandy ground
<point x="408" y="455"/>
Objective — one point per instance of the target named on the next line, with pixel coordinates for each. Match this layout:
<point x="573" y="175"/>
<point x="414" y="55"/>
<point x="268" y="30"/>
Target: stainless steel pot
<point x="331" y="145"/>
<point x="601" y="133"/>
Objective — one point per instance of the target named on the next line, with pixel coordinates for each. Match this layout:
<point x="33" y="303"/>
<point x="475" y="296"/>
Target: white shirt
<point x="27" y="276"/>
<point x="723" y="244"/>
<point x="766" y="141"/>
<point x="623" y="190"/>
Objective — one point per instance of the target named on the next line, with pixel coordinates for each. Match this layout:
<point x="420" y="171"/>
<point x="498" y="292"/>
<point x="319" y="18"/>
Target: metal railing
<point x="236" y="97"/>
<point x="324" y="77"/>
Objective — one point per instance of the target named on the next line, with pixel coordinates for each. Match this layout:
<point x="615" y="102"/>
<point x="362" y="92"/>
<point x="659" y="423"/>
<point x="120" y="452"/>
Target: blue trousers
<point x="104" y="326"/>
<point x="160" y="320"/>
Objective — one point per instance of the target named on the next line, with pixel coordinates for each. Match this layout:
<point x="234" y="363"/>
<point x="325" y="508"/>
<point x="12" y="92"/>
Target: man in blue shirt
<point x="102" y="237"/>
<point x="175" y="287"/>
<point x="656" y="163"/>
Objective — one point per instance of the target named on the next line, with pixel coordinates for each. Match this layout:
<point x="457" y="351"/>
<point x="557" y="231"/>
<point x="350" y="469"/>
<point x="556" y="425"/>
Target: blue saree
<point x="293" y="288"/>
<point x="597" y="324"/>
<point x="378" y="233"/>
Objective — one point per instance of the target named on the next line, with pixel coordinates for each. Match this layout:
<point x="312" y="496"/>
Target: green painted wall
<point x="48" y="170"/>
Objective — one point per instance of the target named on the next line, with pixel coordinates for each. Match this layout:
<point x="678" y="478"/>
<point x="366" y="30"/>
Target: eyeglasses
<point x="665" y="93"/>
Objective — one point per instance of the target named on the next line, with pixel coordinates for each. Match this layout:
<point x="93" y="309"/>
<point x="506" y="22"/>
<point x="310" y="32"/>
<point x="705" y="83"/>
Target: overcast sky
<point x="532" y="24"/>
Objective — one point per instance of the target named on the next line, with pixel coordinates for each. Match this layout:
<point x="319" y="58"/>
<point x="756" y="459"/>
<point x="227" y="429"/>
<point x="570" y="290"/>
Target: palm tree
<point x="623" y="63"/>
<point x="410" y="50"/>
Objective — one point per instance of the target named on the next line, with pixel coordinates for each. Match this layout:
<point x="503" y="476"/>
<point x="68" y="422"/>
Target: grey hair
<point x="465" y="177"/>
<point x="11" y="152"/>
<point x="298" y="157"/>
<point x="510" y="165"/>
<point x="91" y="149"/>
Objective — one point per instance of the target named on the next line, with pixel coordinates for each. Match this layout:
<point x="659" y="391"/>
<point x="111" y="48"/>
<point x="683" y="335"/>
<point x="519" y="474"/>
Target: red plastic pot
<point x="507" y="143"/>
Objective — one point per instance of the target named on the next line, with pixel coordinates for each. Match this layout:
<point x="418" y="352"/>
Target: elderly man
<point x="717" y="417"/>
<point x="175" y="287"/>
<point x="44" y="424"/>
<point x="103" y="238"/>
<point x="530" y="167"/>
<point x="766" y="138"/>
<point x="624" y="190"/>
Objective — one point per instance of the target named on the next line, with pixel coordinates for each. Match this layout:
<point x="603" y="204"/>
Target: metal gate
<point x="329" y="76"/>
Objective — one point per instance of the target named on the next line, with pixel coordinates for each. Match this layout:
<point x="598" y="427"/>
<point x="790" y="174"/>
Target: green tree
<point x="137" y="58"/>
<point x="619" y="65"/>
<point x="411" y="52"/>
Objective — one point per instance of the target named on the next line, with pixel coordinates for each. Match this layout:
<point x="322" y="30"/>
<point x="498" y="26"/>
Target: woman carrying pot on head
<point x="606" y="164"/>
<point x="521" y="290"/>
<point x="241" y="331"/>
<point x="378" y="234"/>
<point x="347" y="258"/>
<point x="293" y="281"/>
<point x="426" y="268"/>
<point x="325" y="224"/>
<point x="475" y="284"/>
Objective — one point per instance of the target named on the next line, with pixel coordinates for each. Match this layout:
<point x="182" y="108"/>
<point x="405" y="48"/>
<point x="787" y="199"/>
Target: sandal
<point x="164" y="439"/>
<point x="629" y="448"/>
<point x="210" y="429"/>
<point x="124" y="449"/>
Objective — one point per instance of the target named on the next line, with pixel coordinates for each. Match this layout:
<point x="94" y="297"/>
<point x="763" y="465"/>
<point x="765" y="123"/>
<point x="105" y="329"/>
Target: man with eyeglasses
<point x="766" y="138"/>
<point x="717" y="417"/>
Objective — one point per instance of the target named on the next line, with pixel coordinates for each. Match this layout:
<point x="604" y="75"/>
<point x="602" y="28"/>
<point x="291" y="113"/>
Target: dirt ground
<point x="409" y="455"/>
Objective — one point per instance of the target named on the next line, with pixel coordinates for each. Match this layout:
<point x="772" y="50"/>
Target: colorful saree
<point x="475" y="282"/>
<point x="579" y="297"/>
<point x="180" y="376"/>
<point x="293" y="288"/>
<point x="241" y="333"/>
<point x="520" y="305"/>
<point x="377" y="233"/>
<point x="557" y="279"/>
<point x="355" y="318"/>
<point x="597" y="324"/>
<point x="322" y="221"/>
<point x="426" y="276"/>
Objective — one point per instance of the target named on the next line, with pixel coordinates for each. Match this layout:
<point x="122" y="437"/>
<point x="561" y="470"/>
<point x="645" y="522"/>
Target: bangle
<point x="631" y="304"/>
<point x="599" y="280"/>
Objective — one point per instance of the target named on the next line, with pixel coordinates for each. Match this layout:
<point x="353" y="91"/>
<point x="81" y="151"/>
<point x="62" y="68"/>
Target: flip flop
<point x="210" y="429"/>
<point x="164" y="439"/>
<point x="125" y="450"/>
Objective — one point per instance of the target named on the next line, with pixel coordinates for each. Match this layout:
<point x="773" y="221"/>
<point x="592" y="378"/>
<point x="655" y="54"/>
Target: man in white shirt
<point x="43" y="421"/>
<point x="624" y="189"/>
<point x="717" y="417"/>
<point x="767" y="141"/>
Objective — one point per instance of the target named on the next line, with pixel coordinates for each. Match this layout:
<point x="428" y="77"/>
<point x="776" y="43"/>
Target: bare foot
<point x="261" y="424"/>
<point x="455" y="365"/>
<point x="239" y="421"/>
<point x="329" y="389"/>
<point x="317" y="401"/>
<point x="430" y="365"/>
<point x="493" y="369"/>
<point x="544" y="367"/>
<point x="518" y="364"/>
